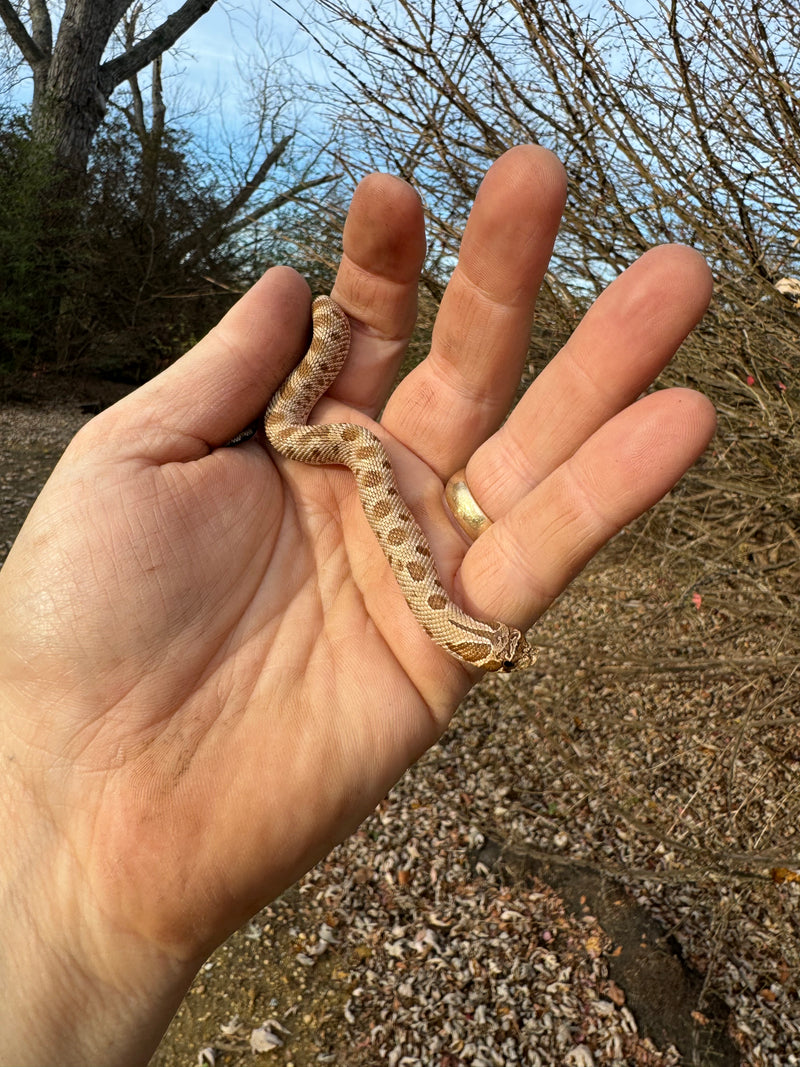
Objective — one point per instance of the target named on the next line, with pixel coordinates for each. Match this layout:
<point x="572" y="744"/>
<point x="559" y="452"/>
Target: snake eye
<point x="507" y="665"/>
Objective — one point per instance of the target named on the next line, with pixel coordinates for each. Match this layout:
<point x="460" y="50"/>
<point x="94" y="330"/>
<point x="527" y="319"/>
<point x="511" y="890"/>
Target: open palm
<point x="208" y="674"/>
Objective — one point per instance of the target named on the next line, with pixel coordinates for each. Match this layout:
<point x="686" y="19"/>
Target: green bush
<point x="37" y="236"/>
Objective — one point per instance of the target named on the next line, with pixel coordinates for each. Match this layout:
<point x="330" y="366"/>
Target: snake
<point x="491" y="646"/>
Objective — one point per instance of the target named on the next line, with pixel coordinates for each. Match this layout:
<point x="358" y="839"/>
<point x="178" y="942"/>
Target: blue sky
<point x="210" y="57"/>
<point x="225" y="35"/>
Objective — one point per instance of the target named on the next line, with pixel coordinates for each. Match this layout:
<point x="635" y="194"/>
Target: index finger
<point x="383" y="247"/>
<point x="460" y="394"/>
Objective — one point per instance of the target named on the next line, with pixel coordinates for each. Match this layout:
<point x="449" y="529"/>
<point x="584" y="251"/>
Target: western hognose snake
<point x="491" y="646"/>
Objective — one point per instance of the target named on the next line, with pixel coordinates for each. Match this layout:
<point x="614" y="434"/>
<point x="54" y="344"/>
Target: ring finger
<point x="625" y="340"/>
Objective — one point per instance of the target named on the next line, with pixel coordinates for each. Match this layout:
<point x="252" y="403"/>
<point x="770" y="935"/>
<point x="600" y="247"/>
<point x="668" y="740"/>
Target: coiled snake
<point x="491" y="646"/>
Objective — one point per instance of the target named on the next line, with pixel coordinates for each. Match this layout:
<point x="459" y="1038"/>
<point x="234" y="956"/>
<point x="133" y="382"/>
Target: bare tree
<point x="72" y="82"/>
<point x="680" y="124"/>
<point x="267" y="150"/>
<point x="136" y="214"/>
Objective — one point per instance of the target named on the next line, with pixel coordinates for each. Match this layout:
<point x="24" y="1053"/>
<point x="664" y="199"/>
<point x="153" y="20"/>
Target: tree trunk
<point x="69" y="107"/>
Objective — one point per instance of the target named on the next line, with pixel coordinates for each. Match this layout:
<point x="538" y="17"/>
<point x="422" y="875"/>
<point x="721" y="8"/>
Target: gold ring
<point x="472" y="519"/>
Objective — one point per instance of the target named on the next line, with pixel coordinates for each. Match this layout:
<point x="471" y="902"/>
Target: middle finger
<point x="448" y="405"/>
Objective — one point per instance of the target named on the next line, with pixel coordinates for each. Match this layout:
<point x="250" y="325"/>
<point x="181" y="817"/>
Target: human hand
<point x="207" y="673"/>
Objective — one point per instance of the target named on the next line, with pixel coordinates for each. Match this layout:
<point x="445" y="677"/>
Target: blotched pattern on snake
<point x="491" y="646"/>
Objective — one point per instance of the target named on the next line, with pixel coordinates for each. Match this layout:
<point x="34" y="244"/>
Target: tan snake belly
<point x="491" y="646"/>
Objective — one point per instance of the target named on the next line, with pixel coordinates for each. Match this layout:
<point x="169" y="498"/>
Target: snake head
<point x="510" y="651"/>
<point x="492" y="646"/>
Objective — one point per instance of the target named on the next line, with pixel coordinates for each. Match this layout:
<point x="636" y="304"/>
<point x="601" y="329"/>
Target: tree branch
<point x="277" y="201"/>
<point x="41" y="26"/>
<point x="195" y="244"/>
<point x="31" y="51"/>
<point x="157" y="106"/>
<point x="162" y="38"/>
<point x="135" y="112"/>
<point x="253" y="183"/>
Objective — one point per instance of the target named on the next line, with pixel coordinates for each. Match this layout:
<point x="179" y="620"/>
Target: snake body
<point x="491" y="646"/>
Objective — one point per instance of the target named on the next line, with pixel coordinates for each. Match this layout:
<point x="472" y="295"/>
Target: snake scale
<point x="490" y="646"/>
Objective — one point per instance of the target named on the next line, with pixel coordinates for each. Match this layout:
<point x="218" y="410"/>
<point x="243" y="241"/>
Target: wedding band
<point x="472" y="519"/>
